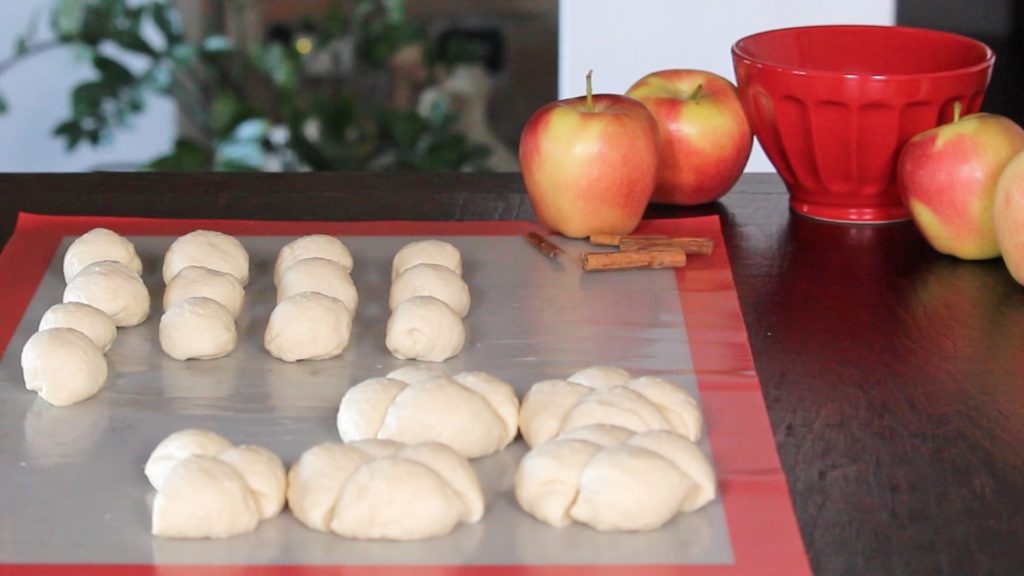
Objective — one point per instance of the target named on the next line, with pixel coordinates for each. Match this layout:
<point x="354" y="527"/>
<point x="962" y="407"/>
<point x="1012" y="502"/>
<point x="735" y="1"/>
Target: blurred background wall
<point x="532" y="51"/>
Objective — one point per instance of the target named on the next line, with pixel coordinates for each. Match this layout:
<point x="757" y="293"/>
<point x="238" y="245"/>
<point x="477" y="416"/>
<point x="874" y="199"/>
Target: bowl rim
<point x="738" y="52"/>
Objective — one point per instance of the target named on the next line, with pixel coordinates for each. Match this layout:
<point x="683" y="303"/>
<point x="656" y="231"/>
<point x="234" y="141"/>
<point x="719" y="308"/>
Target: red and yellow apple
<point x="1008" y="216"/>
<point x="589" y="163"/>
<point x="705" y="136"/>
<point x="947" y="178"/>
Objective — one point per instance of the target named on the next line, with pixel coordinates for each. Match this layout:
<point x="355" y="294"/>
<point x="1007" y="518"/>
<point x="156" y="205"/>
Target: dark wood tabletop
<point x="893" y="376"/>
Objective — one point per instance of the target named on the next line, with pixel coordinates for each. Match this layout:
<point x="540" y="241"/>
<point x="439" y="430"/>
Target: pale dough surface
<point x="63" y="365"/>
<point x="319" y="275"/>
<point x="431" y="280"/>
<point x="87" y="319"/>
<point x="308" y="326"/>
<point x="607" y="395"/>
<point x="424" y="328"/>
<point x="197" y="328"/>
<point x="209" y="249"/>
<point x="613" y="479"/>
<point x="207" y="488"/>
<point x="427" y="252"/>
<point x="113" y="288"/>
<point x="377" y="489"/>
<point x="312" y="246"/>
<point x="201" y="281"/>
<point x="474" y="413"/>
<point x="97" y="245"/>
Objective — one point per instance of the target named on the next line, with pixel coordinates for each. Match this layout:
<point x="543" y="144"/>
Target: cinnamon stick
<point x="623" y="259"/>
<point x="615" y="239"/>
<point x="543" y="245"/>
<point x="688" y="245"/>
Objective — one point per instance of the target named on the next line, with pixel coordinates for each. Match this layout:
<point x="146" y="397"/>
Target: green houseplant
<point x="247" y="105"/>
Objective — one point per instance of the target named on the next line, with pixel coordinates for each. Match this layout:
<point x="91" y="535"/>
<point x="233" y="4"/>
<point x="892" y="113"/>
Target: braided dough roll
<point x="377" y="489"/>
<point x="605" y="395"/>
<point x="475" y="413"/>
<point x="611" y="478"/>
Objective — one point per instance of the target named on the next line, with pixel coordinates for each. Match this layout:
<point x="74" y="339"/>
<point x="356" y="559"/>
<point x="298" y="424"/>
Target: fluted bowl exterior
<point x="833" y="105"/>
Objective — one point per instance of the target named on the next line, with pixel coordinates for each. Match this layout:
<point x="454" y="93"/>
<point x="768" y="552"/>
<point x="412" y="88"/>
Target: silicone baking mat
<point x="73" y="498"/>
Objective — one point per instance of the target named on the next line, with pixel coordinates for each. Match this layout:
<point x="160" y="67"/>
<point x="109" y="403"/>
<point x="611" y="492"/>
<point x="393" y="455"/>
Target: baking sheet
<point x="73" y="491"/>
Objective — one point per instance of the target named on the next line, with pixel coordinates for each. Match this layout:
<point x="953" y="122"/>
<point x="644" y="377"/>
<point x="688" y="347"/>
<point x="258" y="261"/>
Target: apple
<point x="947" y="178"/>
<point x="1008" y="216"/>
<point x="589" y="163"/>
<point x="705" y="136"/>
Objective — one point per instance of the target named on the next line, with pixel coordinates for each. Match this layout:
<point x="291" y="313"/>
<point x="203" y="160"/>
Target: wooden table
<point x="894" y="376"/>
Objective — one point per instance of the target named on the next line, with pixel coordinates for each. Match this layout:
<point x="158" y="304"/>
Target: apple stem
<point x="590" y="92"/>
<point x="697" y="91"/>
<point x="957" y="107"/>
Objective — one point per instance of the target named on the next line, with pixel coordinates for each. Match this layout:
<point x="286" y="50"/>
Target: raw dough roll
<point x="610" y="478"/>
<point x="308" y="326"/>
<point x="375" y="489"/>
<point x="209" y="249"/>
<point x="596" y="396"/>
<point x="207" y="488"/>
<point x="87" y="319"/>
<point x="427" y="252"/>
<point x="319" y="275"/>
<point x="97" y="245"/>
<point x="197" y="328"/>
<point x="474" y="413"/>
<point x="431" y="280"/>
<point x="201" y="281"/>
<point x="63" y="365"/>
<point x="424" y="328"/>
<point x="113" y="288"/>
<point x="312" y="246"/>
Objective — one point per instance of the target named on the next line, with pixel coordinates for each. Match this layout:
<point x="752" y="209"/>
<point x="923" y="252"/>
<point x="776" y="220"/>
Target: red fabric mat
<point x="763" y="530"/>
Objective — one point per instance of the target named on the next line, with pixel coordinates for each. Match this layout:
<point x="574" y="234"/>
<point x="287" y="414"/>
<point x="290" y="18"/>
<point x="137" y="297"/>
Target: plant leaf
<point x="187" y="156"/>
<point x="3" y="105"/>
<point x="112" y="71"/>
<point x="168" y="20"/>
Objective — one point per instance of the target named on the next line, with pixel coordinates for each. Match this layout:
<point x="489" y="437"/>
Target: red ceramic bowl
<point x="832" y="105"/>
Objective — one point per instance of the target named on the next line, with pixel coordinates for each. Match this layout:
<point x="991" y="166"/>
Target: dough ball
<point x="200" y="281"/>
<point x="600" y="377"/>
<point x="319" y="275"/>
<point x="312" y="246"/>
<point x="612" y="479"/>
<point x="427" y="252"/>
<point x="308" y="326"/>
<point x="207" y="488"/>
<point x="604" y="395"/>
<point x="263" y="473"/>
<point x="87" y="319"/>
<point x="204" y="497"/>
<point x="474" y="413"/>
<point x="113" y="288"/>
<point x="384" y="490"/>
<point x="177" y="447"/>
<point x="209" y="249"/>
<point x="424" y="328"/>
<point x="199" y="328"/>
<point x="63" y="365"/>
<point x="97" y="245"/>
<point x="431" y="280"/>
